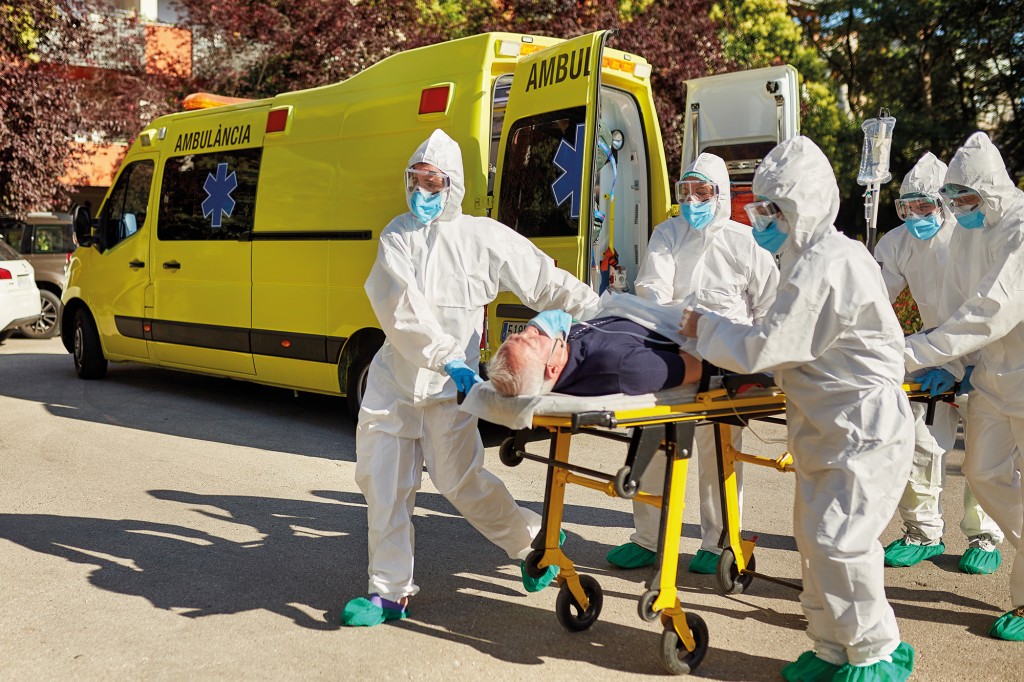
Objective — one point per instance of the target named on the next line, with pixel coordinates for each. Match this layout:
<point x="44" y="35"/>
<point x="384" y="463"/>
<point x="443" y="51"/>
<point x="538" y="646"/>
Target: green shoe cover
<point x="363" y="612"/>
<point x="703" y="562"/>
<point x="897" y="670"/>
<point x="809" y="668"/>
<point x="631" y="555"/>
<point x="1009" y="626"/>
<point x="977" y="561"/>
<point x="538" y="584"/>
<point x="903" y="554"/>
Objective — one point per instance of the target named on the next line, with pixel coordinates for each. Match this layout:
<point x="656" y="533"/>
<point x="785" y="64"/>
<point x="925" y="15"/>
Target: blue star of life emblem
<point x="218" y="200"/>
<point x="569" y="159"/>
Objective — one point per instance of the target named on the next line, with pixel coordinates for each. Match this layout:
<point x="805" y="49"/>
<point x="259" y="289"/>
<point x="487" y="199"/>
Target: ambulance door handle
<point x="172" y="265"/>
<point x="136" y="264"/>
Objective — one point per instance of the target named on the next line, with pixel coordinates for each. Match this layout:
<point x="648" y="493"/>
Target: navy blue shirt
<point x="605" y="357"/>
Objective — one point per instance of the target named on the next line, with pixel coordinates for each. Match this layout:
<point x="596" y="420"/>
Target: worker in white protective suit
<point x="986" y="268"/>
<point x="436" y="269"/>
<point x="834" y="344"/>
<point x="701" y="256"/>
<point x="916" y="254"/>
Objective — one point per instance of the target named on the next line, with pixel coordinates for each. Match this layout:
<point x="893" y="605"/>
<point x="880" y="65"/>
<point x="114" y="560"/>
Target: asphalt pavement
<point x="160" y="525"/>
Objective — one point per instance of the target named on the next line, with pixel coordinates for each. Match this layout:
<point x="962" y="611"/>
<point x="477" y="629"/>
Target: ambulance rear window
<point x="540" y="182"/>
<point x="209" y="196"/>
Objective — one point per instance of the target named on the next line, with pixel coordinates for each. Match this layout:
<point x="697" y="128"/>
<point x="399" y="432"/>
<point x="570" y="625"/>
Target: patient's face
<point x="528" y="344"/>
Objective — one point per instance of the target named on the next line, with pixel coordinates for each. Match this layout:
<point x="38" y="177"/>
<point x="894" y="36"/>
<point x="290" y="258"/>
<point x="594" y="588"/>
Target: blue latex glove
<point x="464" y="376"/>
<point x="937" y="381"/>
<point x="965" y="384"/>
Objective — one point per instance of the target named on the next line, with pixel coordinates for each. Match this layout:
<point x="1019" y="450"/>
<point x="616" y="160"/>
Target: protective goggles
<point x="916" y="204"/>
<point x="762" y="214"/>
<point x="695" y="189"/>
<point x="429" y="181"/>
<point x="960" y="199"/>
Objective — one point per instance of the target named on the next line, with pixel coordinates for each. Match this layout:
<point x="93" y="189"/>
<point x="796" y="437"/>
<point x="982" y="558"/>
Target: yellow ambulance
<point x="236" y="239"/>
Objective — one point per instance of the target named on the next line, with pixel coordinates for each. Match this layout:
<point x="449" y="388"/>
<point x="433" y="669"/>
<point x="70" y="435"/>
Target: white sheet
<point x="518" y="412"/>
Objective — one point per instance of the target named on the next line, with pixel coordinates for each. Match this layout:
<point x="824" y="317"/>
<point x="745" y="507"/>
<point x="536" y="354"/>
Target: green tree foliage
<point x="944" y="69"/>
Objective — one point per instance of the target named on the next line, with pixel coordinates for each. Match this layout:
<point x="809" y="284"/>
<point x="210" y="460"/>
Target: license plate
<point x="23" y="280"/>
<point x="511" y="328"/>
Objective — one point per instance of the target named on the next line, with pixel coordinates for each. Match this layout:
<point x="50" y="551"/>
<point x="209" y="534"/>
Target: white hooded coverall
<point x="723" y="269"/>
<point x="988" y="273"/>
<point x="923" y="264"/>
<point x="428" y="288"/>
<point x="834" y="344"/>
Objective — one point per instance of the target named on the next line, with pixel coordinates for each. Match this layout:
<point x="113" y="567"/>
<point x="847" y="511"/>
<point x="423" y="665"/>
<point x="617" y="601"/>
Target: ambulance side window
<point x="540" y="197"/>
<point x="124" y="214"/>
<point x="209" y="196"/>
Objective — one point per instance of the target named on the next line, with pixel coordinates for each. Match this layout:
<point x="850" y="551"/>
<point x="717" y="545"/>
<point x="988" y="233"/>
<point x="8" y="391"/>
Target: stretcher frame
<point x="670" y="429"/>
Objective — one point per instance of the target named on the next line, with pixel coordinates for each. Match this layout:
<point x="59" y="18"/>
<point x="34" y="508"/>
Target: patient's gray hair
<point x="514" y="374"/>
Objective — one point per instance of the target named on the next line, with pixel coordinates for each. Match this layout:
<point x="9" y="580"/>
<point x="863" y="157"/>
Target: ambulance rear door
<point x="740" y="117"/>
<point x="546" y="158"/>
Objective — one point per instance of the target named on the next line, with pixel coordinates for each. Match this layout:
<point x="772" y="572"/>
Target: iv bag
<point x="874" y="158"/>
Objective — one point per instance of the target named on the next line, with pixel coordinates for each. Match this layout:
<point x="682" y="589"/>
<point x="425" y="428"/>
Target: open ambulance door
<point x="740" y="117"/>
<point x="546" y="161"/>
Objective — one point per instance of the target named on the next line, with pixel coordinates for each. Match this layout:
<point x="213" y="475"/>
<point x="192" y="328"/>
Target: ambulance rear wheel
<point x="570" y="614"/>
<point x="508" y="454"/>
<point x="358" y="372"/>
<point x="87" y="351"/>
<point x="729" y="579"/>
<point x="675" y="658"/>
<point x="645" y="608"/>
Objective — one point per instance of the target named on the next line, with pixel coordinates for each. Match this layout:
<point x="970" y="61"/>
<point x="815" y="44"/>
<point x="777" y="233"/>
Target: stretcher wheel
<point x="645" y="606"/>
<point x="532" y="564"/>
<point x="729" y="579"/>
<point x="568" y="610"/>
<point x="624" y="487"/>
<point x="674" y="656"/>
<point x="508" y="454"/>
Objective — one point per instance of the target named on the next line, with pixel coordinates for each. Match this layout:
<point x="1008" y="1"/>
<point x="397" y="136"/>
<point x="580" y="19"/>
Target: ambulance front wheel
<point x="508" y="454"/>
<point x="729" y="579"/>
<point x="675" y="658"/>
<point x="355" y="389"/>
<point x="570" y="614"/>
<point x="87" y="351"/>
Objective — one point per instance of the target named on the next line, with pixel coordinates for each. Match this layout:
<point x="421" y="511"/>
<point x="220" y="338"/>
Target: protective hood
<point x="797" y="176"/>
<point x="978" y="165"/>
<point x="927" y="177"/>
<point x="713" y="168"/>
<point x="444" y="152"/>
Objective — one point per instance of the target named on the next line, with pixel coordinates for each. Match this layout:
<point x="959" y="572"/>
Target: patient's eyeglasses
<point x="554" y="347"/>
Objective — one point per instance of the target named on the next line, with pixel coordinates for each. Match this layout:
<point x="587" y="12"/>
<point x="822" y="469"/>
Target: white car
<point x="19" y="296"/>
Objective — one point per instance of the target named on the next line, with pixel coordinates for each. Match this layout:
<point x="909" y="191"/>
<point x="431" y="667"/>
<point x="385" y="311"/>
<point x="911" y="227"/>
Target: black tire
<point x="508" y="454"/>
<point x="675" y="659"/>
<point x="532" y="564"/>
<point x="729" y="579"/>
<point x="625" y="488"/>
<point x="570" y="615"/>
<point x="644" y="607"/>
<point x="87" y="352"/>
<point x="48" y="324"/>
<point x="356" y="385"/>
<point x="6" y="335"/>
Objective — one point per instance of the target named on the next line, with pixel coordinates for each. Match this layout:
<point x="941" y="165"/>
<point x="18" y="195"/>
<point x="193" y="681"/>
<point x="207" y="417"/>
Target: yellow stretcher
<point x="668" y="429"/>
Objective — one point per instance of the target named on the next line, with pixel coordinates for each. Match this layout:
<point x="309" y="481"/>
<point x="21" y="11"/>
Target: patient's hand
<point x="688" y="325"/>
<point x="694" y="368"/>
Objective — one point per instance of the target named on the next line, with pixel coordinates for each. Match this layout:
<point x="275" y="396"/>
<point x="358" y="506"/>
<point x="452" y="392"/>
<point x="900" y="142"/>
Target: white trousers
<point x="993" y="467"/>
<point x="921" y="505"/>
<point x="647" y="519"/>
<point x="394" y="440"/>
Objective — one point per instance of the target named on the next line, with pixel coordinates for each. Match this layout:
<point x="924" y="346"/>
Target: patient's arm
<point x="694" y="368"/>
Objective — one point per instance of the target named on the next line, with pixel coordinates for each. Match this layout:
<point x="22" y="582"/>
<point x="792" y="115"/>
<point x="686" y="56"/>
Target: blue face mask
<point x="553" y="323"/>
<point x="771" y="238"/>
<point x="697" y="215"/>
<point x="426" y="207"/>
<point x="972" y="220"/>
<point x="924" y="227"/>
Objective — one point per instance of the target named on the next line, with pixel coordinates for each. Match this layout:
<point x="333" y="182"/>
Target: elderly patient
<point x="606" y="355"/>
